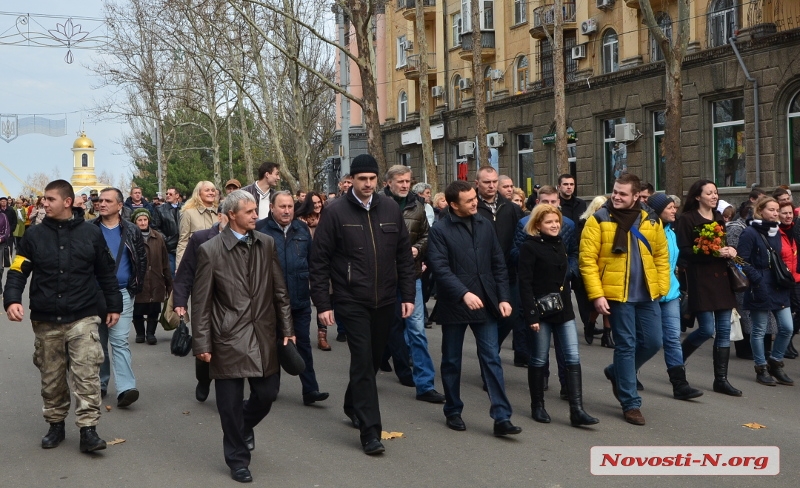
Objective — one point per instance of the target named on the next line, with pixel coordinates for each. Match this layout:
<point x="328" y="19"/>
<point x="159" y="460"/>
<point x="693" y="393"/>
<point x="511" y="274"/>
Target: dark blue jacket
<point x="764" y="294"/>
<point x="567" y="235"/>
<point x="464" y="261"/>
<point x="293" y="251"/>
<point x="184" y="276"/>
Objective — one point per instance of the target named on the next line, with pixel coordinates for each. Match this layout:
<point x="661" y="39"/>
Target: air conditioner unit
<point x="496" y="74"/>
<point x="588" y="26"/>
<point x="464" y="84"/>
<point x="408" y="45"/>
<point x="579" y="51"/>
<point x="437" y="92"/>
<point x="625" y="132"/>
<point x="466" y="149"/>
<point x="605" y="4"/>
<point x="495" y="139"/>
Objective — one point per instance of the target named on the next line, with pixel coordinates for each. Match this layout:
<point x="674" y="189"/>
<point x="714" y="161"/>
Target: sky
<point x="38" y="81"/>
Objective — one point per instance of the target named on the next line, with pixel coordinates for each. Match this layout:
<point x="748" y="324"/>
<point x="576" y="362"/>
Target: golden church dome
<point x="83" y="142"/>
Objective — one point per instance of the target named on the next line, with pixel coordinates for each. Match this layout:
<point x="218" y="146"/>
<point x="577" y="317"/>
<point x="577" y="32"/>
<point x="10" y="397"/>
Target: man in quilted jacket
<point x="624" y="261"/>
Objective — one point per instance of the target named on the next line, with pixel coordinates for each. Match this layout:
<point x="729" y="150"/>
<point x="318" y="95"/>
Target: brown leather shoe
<point x="634" y="416"/>
<point x="322" y="339"/>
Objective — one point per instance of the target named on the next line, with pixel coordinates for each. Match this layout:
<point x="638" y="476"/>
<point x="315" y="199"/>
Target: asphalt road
<point x="172" y="440"/>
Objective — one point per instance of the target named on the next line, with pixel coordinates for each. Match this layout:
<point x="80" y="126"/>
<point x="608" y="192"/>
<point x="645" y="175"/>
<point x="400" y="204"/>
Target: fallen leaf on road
<point x="108" y="408"/>
<point x="186" y="412"/>
<point x="753" y="425"/>
<point x="390" y="435"/>
<point x="115" y="442"/>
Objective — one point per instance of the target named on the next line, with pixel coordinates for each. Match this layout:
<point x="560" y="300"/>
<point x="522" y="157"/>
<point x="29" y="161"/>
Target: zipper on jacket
<point x="374" y="255"/>
<point x="348" y="272"/>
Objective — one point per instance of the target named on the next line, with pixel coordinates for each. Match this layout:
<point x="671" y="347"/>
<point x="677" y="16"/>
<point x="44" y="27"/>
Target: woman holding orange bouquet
<point x="704" y="253"/>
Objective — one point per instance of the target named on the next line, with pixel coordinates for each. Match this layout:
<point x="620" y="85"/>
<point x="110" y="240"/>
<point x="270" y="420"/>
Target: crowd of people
<point x="249" y="265"/>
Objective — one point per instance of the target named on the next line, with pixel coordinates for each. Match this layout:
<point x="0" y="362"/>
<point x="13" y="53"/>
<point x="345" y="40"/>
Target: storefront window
<point x="729" y="142"/>
<point x="525" y="161"/>
<point x="659" y="161"/>
<point x="615" y="153"/>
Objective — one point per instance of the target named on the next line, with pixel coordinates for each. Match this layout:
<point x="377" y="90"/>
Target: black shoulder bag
<point x="783" y="277"/>
<point x="551" y="303"/>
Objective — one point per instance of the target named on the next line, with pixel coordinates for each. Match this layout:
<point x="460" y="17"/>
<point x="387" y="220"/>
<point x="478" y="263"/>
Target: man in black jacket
<point x="470" y="271"/>
<point x="68" y="258"/>
<point x="572" y="207"/>
<point x="504" y="215"/>
<point x="361" y="246"/>
<point x="11" y="215"/>
<point x="126" y="244"/>
<point x="167" y="220"/>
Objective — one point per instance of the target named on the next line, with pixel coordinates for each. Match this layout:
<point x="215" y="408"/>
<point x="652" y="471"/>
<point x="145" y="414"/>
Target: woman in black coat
<point x="544" y="269"/>
<point x="765" y="295"/>
<point x="711" y="300"/>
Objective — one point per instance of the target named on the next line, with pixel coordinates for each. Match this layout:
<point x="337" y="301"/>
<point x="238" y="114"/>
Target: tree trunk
<point x="562" y="158"/>
<point x="301" y="142"/>
<point x="361" y="17"/>
<point x="479" y="87"/>
<point x="671" y="147"/>
<point x="428" y="162"/>
<point x="248" y="156"/>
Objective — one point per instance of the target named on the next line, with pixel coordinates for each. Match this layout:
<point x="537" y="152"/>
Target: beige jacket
<point x="192" y="220"/>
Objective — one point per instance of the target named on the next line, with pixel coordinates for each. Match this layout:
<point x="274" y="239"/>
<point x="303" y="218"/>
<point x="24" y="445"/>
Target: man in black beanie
<point x="361" y="247"/>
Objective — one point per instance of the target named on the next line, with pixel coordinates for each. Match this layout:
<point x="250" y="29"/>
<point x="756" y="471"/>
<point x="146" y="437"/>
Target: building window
<point x="723" y="21"/>
<point x="663" y="20"/>
<point x="402" y="107"/>
<point x="659" y="161"/>
<point x="520" y="11"/>
<point x="456" y="103"/>
<point x="525" y="161"/>
<point x="401" y="51"/>
<point x="729" y="142"/>
<point x="521" y="80"/>
<point x="546" y="60"/>
<point x="615" y="153"/>
<point x="487" y="15"/>
<point x="405" y="159"/>
<point x="794" y="139"/>
<point x="456" y="29"/>
<point x="84" y="160"/>
<point x="610" y="52"/>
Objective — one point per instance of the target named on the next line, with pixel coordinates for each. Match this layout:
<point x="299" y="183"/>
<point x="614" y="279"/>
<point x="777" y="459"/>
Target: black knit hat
<point x="658" y="202"/>
<point x="364" y="163"/>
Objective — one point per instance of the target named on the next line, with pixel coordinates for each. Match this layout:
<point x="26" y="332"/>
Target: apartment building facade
<point x="615" y="81"/>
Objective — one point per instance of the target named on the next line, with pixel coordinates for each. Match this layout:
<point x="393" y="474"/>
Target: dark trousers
<point x="584" y="304"/>
<point x="397" y="348"/>
<point x="152" y="310"/>
<point x="238" y="417"/>
<point x="302" y="325"/>
<point x="516" y="325"/>
<point x="367" y="330"/>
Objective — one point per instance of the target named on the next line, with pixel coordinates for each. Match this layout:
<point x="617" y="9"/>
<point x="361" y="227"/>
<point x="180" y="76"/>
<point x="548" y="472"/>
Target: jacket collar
<point x="411" y="199"/>
<point x="351" y="197"/>
<point x="230" y="240"/>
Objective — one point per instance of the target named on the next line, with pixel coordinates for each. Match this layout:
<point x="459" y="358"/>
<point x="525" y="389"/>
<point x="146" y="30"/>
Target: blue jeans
<point x="759" y="317"/>
<point x="708" y="323"/>
<point x="120" y="351"/>
<point x="302" y="325"/>
<point x="489" y="359"/>
<point x="671" y="332"/>
<point x="171" y="257"/>
<point x="567" y="340"/>
<point x="637" y="332"/>
<point x="422" y="369"/>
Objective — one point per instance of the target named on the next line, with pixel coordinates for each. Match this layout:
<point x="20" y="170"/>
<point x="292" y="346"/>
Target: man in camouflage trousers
<point x="68" y="257"/>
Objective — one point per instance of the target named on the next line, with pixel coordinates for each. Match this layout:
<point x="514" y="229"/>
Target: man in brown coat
<point x="242" y="308"/>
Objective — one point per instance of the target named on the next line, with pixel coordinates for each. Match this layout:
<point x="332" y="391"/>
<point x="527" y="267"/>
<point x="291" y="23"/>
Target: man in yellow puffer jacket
<point x="624" y="261"/>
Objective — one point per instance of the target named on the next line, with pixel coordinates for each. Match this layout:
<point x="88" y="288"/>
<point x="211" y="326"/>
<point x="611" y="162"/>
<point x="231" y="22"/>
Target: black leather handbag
<point x="739" y="281"/>
<point x="783" y="277"/>
<point x="551" y="303"/>
<point x="181" y="344"/>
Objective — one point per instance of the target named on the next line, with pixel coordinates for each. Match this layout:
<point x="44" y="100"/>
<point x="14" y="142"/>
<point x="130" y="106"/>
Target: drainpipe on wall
<point x="757" y="132"/>
<point x="446" y="138"/>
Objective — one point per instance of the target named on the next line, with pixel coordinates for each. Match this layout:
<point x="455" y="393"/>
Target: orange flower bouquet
<point x="711" y="239"/>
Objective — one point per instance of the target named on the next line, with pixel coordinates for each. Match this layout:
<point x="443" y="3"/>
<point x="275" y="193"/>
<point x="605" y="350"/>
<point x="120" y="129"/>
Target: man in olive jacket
<point x="241" y="310"/>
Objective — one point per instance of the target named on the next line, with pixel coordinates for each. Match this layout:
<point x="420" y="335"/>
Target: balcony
<point x="632" y="3"/>
<point x="409" y="8"/>
<point x="487" y="46"/>
<point x="412" y="69"/>
<point x="545" y="18"/>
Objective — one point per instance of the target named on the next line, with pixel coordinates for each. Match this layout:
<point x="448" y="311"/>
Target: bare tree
<point x="479" y="85"/>
<point x="559" y="99"/>
<point x="674" y="52"/>
<point x="428" y="161"/>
